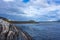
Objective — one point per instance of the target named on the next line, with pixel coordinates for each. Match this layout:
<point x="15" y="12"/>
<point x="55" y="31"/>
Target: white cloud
<point x="42" y="11"/>
<point x="52" y="20"/>
<point x="40" y="8"/>
<point x="15" y="14"/>
<point x="36" y="9"/>
<point x="8" y="0"/>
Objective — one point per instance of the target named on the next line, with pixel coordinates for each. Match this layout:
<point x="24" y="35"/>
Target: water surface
<point x="42" y="31"/>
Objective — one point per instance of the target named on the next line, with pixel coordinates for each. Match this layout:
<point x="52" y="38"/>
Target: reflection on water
<point x="42" y="31"/>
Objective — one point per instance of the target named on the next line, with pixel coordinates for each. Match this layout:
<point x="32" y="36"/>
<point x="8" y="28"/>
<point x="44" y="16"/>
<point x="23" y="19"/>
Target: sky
<point x="39" y="10"/>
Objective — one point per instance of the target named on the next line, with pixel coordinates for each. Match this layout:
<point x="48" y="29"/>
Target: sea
<point x="42" y="30"/>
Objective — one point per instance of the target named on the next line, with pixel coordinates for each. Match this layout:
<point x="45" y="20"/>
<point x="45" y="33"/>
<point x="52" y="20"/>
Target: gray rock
<point x="10" y="32"/>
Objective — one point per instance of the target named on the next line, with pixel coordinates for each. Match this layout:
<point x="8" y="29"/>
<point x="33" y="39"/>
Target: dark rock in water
<point x="10" y="32"/>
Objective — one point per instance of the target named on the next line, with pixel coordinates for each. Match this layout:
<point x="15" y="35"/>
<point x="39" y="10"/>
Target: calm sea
<point x="42" y="31"/>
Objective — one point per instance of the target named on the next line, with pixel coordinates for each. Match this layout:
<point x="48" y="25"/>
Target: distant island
<point x="19" y="22"/>
<point x="23" y="22"/>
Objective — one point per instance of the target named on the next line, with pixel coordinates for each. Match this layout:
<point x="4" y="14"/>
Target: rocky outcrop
<point x="10" y="32"/>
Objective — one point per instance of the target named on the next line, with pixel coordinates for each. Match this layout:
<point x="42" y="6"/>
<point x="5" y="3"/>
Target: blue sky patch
<point x="56" y="2"/>
<point x="25" y="1"/>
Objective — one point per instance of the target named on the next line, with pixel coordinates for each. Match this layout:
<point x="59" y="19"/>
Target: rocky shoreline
<point x="10" y="32"/>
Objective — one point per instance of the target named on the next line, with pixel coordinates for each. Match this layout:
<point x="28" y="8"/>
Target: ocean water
<point x="42" y="31"/>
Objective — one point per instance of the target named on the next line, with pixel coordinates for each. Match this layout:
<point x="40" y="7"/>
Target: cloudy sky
<point x="39" y="10"/>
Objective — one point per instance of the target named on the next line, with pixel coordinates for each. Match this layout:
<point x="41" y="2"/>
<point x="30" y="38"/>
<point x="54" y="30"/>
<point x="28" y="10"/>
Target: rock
<point x="8" y="31"/>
